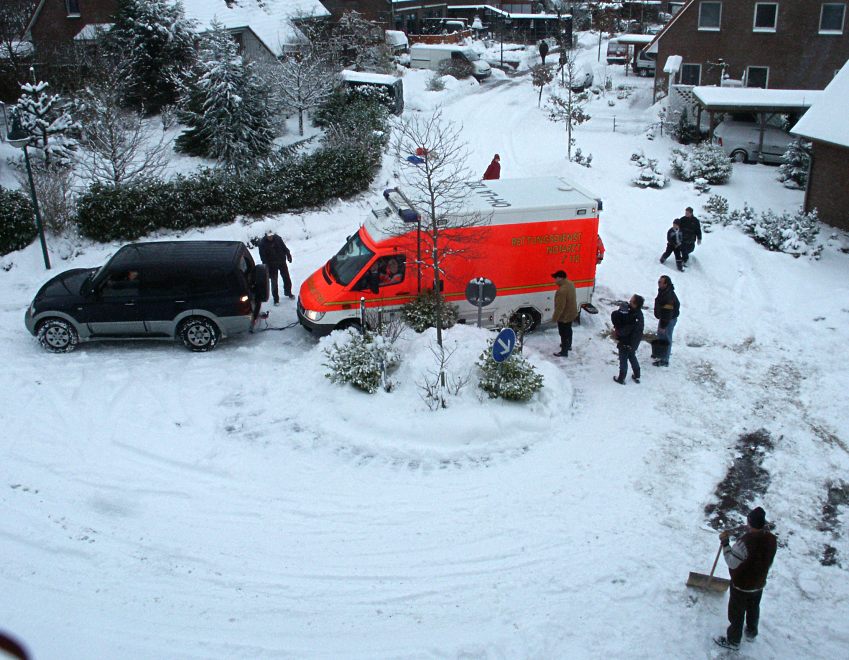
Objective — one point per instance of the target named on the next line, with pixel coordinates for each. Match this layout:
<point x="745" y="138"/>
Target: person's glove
<point x="289" y="258"/>
<point x="699" y="241"/>
<point x="723" y="538"/>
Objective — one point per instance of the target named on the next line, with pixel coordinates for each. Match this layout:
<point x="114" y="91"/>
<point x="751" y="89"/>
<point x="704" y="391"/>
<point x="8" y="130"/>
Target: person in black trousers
<point x="628" y="324"/>
<point x="691" y="233"/>
<point x="673" y="245"/>
<point x="274" y="254"/>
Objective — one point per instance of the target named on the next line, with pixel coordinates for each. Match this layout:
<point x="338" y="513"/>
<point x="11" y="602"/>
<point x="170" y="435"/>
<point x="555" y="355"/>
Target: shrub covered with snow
<point x="515" y="379"/>
<point x="793" y="171"/>
<point x="360" y="359"/>
<point x="17" y="223"/>
<point x="715" y="212"/>
<point x="649" y="175"/>
<point x="420" y="313"/>
<point x="794" y="233"/>
<point x="702" y="161"/>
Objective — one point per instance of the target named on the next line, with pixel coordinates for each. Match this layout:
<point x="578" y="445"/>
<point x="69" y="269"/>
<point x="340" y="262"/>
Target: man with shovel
<point x="748" y="562"/>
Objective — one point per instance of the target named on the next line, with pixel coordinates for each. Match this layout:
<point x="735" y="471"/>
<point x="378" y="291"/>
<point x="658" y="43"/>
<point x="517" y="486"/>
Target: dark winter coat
<point x="629" y="325"/>
<point x="750" y="559"/>
<point x="691" y="229"/>
<point x="666" y="305"/>
<point x="493" y="171"/>
<point x="273" y="251"/>
<point x="673" y="237"/>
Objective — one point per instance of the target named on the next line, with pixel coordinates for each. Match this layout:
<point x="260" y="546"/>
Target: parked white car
<point x="740" y="139"/>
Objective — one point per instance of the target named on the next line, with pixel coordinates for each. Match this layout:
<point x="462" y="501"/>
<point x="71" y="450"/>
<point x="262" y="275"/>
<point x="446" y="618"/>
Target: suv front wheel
<point x="57" y="336"/>
<point x="198" y="334"/>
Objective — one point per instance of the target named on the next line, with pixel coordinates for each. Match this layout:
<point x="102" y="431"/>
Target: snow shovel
<point x="709" y="582"/>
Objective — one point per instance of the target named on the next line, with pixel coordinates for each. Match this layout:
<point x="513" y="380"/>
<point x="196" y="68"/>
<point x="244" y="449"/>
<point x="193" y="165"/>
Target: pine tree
<point x="226" y="107"/>
<point x="155" y="42"/>
<point x="47" y="119"/>
<point x="793" y="172"/>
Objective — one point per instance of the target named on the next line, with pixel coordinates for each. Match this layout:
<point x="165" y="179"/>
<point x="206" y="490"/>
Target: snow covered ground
<point x="158" y="503"/>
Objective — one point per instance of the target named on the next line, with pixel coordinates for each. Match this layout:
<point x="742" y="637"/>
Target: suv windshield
<point x="349" y="261"/>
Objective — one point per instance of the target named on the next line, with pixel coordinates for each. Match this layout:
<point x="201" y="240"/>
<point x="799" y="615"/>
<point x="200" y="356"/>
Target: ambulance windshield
<point x="350" y="260"/>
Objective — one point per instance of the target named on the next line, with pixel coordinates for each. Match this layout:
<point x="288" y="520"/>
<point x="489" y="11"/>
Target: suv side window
<point x="121" y="283"/>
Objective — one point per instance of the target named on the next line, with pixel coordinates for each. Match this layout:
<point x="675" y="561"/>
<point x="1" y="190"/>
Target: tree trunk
<point x="301" y="122"/>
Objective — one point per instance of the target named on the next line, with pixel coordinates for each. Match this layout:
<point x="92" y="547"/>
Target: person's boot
<point x="619" y="380"/>
<point x="636" y="378"/>
<point x="725" y="643"/>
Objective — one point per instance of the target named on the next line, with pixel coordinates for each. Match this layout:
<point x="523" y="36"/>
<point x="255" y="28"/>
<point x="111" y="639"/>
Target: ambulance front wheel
<point x="350" y="323"/>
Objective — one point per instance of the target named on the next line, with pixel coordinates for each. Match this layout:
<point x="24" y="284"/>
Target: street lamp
<point x="20" y="139"/>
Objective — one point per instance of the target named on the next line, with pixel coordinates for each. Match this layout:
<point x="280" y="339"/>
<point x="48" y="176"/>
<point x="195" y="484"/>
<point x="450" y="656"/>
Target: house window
<point x="766" y="17"/>
<point x="757" y="76"/>
<point x="691" y="74"/>
<point x="73" y="8"/>
<point x="710" y="14"/>
<point x="831" y="18"/>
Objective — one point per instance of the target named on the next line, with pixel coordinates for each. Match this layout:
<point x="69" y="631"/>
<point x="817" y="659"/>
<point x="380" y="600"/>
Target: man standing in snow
<point x="691" y="233"/>
<point x="494" y="169"/>
<point x="748" y="562"/>
<point x="628" y="326"/>
<point x="274" y="254"/>
<point x="565" y="311"/>
<point x="666" y="309"/>
<point x="673" y="245"/>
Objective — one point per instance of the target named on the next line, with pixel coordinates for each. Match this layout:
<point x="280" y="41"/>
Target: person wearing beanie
<point x="749" y="561"/>
<point x="274" y="254"/>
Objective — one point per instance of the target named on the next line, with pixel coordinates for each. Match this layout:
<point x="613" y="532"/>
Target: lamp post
<point x="20" y="139"/>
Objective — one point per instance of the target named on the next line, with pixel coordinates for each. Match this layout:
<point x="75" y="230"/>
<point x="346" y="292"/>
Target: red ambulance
<point x="514" y="232"/>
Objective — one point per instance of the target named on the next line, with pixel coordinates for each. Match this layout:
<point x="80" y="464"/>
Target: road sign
<point x="504" y="344"/>
<point x="480" y="292"/>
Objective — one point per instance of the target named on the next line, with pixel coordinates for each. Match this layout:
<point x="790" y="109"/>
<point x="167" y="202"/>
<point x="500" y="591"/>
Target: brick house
<point x="787" y="44"/>
<point x="264" y="29"/>
<point x="404" y="15"/>
<point x="828" y="177"/>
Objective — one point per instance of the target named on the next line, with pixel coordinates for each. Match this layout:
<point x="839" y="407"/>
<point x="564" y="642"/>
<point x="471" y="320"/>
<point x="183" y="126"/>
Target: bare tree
<point x="119" y="144"/>
<point x="434" y="176"/>
<point x="14" y="16"/>
<point x="566" y="105"/>
<point x="360" y="44"/>
<point x="303" y="81"/>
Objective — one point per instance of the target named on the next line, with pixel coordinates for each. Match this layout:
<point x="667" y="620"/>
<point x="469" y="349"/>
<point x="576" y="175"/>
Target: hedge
<point x="17" y="221"/>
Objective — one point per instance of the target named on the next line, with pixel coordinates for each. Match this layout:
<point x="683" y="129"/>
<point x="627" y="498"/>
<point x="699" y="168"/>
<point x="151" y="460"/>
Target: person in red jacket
<point x="494" y="169"/>
<point x="748" y="562"/>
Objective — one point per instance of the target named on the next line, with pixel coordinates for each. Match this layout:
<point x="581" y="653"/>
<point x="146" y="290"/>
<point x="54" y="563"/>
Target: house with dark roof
<point x="826" y="127"/>
<point x="787" y="44"/>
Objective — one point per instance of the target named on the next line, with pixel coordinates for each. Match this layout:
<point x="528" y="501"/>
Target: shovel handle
<point x="713" y="568"/>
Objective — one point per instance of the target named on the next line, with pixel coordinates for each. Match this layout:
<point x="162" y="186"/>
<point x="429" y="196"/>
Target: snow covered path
<point x="158" y="503"/>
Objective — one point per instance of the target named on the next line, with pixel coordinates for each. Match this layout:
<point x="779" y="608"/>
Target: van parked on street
<point x="434" y="56"/>
<point x="194" y="291"/>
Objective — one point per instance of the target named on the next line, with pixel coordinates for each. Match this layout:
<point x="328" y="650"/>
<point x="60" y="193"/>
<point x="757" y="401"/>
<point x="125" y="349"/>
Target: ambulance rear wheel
<point x="526" y="319"/>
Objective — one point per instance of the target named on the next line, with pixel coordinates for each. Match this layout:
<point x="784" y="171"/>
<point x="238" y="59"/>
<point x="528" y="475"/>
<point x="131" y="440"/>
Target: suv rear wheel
<point x="57" y="336"/>
<point x="198" y="334"/>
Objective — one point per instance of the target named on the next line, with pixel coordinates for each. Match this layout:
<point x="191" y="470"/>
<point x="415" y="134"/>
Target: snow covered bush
<point x="649" y="175"/>
<point x="420" y="312"/>
<point x="47" y="119"/>
<point x="360" y="359"/>
<point x="435" y="83"/>
<point x="793" y="171"/>
<point x="580" y="159"/>
<point x="17" y="222"/>
<point x="716" y="212"/>
<point x="793" y="233"/>
<point x="701" y="185"/>
<point x="515" y="379"/>
<point x="703" y="161"/>
<point x="56" y="197"/>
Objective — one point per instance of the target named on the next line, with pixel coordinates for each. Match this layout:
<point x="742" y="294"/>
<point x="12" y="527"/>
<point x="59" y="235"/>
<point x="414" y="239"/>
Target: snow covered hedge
<point x="703" y="161"/>
<point x="420" y="312"/>
<point x="17" y="222"/>
<point x="360" y="359"/>
<point x="515" y="379"/>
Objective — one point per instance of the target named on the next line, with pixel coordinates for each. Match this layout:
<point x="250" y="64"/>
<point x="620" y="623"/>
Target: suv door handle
<point x="179" y="301"/>
<point x="129" y="304"/>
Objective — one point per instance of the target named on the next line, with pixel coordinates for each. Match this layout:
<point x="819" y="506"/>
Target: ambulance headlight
<point x="312" y="315"/>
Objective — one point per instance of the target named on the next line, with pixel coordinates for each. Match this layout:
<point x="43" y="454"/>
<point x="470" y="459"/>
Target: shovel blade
<point x="708" y="583"/>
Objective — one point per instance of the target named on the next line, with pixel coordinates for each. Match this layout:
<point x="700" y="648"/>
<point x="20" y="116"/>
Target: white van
<point x="645" y="63"/>
<point x="432" y="56"/>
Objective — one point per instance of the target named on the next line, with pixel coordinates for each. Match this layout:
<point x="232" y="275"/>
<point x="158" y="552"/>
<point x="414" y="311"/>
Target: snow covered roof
<point x="754" y="98"/>
<point x="509" y="14"/>
<point x="826" y="120"/>
<point x="636" y="39"/>
<point x="396" y="38"/>
<point x="92" y="31"/>
<point x="673" y="64"/>
<point x="367" y="77"/>
<point x="270" y="20"/>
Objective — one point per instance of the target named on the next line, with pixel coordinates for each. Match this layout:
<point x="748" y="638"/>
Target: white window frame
<point x="710" y="28"/>
<point x="842" y="21"/>
<point x="756" y="27"/>
<point x="755" y="66"/>
<point x="72" y="13"/>
<point x="686" y="64"/>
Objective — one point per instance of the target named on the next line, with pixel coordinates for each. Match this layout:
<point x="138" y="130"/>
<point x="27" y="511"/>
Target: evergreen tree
<point x="47" y="119"/>
<point x="226" y="107"/>
<point x="793" y="172"/>
<point x="156" y="43"/>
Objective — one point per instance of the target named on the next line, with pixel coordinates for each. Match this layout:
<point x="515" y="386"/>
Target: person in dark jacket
<point x="494" y="169"/>
<point x="666" y="309"/>
<point x="691" y="233"/>
<point x="748" y="562"/>
<point x="673" y="245"/>
<point x="274" y="254"/>
<point x="628" y="325"/>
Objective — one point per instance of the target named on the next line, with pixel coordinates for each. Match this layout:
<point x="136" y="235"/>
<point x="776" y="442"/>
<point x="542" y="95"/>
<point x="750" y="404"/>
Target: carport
<point x="638" y="41"/>
<point x="761" y="102"/>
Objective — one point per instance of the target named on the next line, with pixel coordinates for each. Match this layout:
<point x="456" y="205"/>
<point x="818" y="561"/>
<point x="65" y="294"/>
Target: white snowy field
<point x="163" y="504"/>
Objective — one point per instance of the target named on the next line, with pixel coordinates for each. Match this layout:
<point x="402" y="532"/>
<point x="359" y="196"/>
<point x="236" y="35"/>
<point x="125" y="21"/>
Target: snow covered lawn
<point x="158" y="503"/>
